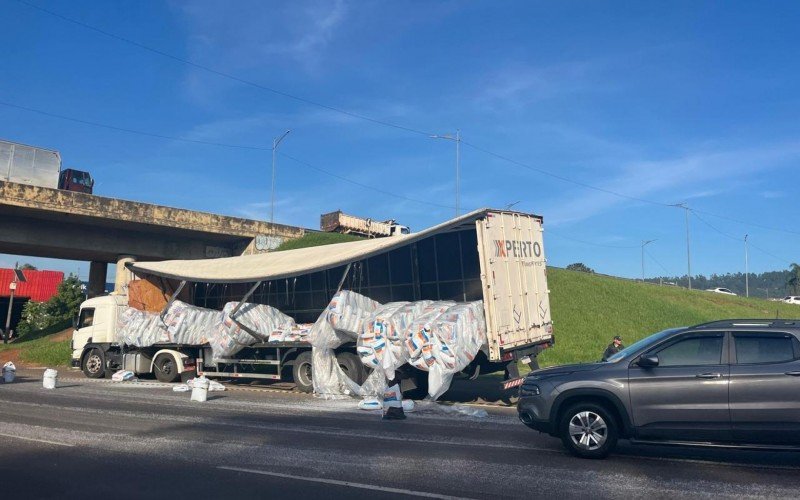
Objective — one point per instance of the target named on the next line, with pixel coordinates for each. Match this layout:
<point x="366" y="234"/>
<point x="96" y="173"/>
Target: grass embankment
<point x="47" y="347"/>
<point x="316" y="239"/>
<point x="588" y="310"/>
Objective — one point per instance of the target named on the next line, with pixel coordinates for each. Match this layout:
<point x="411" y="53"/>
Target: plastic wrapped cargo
<point x="230" y="338"/>
<point x="191" y="325"/>
<point x="380" y="344"/>
<point x="339" y="323"/>
<point x="140" y="328"/>
<point x="456" y="336"/>
<point x="419" y="339"/>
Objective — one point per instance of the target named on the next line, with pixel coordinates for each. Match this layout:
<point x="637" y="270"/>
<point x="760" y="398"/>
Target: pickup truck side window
<point x="87" y="317"/>
<point x="758" y="348"/>
<point x="692" y="351"/>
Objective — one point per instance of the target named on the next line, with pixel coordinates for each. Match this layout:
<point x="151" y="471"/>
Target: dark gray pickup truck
<point x="724" y="383"/>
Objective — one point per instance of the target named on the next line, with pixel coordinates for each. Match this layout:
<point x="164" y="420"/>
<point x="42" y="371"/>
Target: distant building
<point x="39" y="286"/>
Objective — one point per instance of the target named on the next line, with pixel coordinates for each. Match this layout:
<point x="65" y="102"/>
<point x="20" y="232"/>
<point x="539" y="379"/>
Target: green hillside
<point x="314" y="239"/>
<point x="588" y="310"/>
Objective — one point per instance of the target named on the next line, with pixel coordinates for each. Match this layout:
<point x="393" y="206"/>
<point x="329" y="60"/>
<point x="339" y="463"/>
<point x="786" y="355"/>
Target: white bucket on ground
<point x="9" y="372"/>
<point x="200" y="389"/>
<point x="50" y="379"/>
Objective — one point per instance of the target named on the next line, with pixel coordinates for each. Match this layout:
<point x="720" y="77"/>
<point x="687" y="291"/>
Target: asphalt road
<point x="142" y="440"/>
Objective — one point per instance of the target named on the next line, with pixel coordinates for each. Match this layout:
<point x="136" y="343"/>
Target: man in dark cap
<point x="614" y="347"/>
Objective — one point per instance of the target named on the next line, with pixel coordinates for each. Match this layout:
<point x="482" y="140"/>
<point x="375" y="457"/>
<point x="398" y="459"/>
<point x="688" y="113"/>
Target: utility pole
<point x="644" y="243"/>
<point x="13" y="287"/>
<point x="457" y="140"/>
<point x="275" y="143"/>
<point x="688" y="251"/>
<point x="746" y="271"/>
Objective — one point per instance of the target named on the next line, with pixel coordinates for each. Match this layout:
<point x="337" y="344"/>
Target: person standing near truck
<point x="614" y="347"/>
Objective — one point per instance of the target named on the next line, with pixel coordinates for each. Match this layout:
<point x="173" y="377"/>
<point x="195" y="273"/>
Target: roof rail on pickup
<point x="752" y="323"/>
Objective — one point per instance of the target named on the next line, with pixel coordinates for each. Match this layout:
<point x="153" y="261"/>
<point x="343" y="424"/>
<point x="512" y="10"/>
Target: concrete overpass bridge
<point x="44" y="222"/>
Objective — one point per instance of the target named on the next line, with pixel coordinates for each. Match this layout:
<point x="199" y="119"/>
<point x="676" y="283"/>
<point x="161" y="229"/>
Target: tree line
<point x="771" y="284"/>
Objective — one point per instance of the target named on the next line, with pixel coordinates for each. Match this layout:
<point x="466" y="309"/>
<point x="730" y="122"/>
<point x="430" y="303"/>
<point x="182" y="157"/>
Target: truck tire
<point x="166" y="369"/>
<point x="588" y="430"/>
<point x="352" y="366"/>
<point x="301" y="372"/>
<point x="94" y="364"/>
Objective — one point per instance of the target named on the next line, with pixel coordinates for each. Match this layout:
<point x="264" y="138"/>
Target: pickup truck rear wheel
<point x="94" y="364"/>
<point x="588" y="430"/>
<point x="166" y="368"/>
<point x="301" y="372"/>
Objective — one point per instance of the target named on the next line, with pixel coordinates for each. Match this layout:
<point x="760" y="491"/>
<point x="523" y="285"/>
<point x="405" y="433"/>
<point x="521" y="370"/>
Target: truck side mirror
<point x="75" y="322"/>
<point x="648" y="361"/>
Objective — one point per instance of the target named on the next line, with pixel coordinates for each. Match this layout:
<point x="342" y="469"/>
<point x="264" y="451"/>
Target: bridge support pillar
<point x="97" y="279"/>
<point x="124" y="276"/>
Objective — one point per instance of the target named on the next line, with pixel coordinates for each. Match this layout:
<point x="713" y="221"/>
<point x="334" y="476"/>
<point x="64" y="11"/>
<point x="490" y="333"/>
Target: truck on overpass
<point x="40" y="167"/>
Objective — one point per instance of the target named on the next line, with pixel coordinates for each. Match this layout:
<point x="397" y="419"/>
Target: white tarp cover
<point x="276" y="265"/>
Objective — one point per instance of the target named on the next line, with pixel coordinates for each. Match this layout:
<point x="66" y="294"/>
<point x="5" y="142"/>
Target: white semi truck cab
<point x="95" y="349"/>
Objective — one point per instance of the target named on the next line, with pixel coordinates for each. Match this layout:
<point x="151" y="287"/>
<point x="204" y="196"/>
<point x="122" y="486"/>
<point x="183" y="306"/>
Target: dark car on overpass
<point x="725" y="383"/>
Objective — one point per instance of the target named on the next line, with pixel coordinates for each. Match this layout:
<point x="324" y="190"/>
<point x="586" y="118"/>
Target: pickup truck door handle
<point x="793" y="374"/>
<point x="709" y="375"/>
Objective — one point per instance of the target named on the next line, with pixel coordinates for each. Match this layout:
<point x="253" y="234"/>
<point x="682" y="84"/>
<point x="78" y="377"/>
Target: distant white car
<point x="792" y="299"/>
<point x="720" y="290"/>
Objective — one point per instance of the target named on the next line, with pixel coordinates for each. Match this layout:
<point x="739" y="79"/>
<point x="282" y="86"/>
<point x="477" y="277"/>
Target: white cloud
<point x="674" y="180"/>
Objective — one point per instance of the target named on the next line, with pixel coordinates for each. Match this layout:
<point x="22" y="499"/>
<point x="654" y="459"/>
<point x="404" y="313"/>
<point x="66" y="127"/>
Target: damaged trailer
<point x="493" y="256"/>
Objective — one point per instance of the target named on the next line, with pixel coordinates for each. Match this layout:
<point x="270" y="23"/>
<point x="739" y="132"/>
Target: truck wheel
<point x="166" y="368"/>
<point x="352" y="366"/>
<point x="301" y="372"/>
<point x="94" y="364"/>
<point x="588" y="430"/>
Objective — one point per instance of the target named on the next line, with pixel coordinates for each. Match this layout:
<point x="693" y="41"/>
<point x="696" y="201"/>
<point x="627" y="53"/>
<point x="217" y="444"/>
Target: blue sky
<point x="667" y="102"/>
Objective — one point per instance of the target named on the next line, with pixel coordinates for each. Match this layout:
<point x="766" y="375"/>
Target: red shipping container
<point x="39" y="287"/>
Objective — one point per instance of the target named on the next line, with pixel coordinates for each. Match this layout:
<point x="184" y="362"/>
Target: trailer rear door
<point x="514" y="277"/>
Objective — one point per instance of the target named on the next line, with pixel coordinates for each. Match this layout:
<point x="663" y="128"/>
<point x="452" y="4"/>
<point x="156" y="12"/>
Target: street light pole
<point x="644" y="243"/>
<point x="688" y="251"/>
<point x="275" y="143"/>
<point x="457" y="140"/>
<point x="13" y="287"/>
<point x="746" y="270"/>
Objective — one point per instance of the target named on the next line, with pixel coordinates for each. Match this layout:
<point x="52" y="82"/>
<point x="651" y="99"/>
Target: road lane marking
<point x="37" y="440"/>
<point x="336" y="482"/>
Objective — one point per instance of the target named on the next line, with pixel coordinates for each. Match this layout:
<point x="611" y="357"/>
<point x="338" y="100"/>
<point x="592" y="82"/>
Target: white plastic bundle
<point x="341" y="322"/>
<point x="380" y="344"/>
<point x="230" y="338"/>
<point x="348" y="310"/>
<point x="419" y="337"/>
<point x="457" y="336"/>
<point x="297" y="333"/>
<point x="140" y="328"/>
<point x="191" y="325"/>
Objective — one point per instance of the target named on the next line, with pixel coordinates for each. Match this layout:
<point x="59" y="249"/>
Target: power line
<point x="590" y="243"/>
<point x="132" y="131"/>
<point x="222" y="73"/>
<point x="740" y="239"/>
<point x="723" y="233"/>
<point x="781" y="259"/>
<point x="746" y="223"/>
<point x="366" y="186"/>
<point x="647" y="252"/>
<point x="561" y="177"/>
